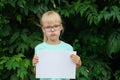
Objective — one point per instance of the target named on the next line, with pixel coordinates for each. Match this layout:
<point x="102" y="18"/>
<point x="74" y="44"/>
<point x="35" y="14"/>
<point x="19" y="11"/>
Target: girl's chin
<point x="53" y="39"/>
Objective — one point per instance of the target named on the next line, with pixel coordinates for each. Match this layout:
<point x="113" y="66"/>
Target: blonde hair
<point x="50" y="17"/>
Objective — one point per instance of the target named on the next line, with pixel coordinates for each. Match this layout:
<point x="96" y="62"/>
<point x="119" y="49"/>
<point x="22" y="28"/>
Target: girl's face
<point x="52" y="31"/>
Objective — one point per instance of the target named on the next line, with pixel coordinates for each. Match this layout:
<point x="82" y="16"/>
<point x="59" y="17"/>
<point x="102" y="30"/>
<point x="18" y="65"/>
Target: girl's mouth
<point x="53" y="34"/>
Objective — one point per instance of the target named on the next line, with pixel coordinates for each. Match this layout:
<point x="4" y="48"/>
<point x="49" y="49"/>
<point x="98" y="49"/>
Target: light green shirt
<point x="61" y="46"/>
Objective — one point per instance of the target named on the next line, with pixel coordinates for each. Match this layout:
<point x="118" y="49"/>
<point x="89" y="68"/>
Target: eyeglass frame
<point x="49" y="28"/>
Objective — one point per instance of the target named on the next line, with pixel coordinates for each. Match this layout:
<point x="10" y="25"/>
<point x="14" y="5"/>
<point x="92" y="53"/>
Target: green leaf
<point x="1" y="5"/>
<point x="115" y="11"/>
<point x="12" y="2"/>
<point x="117" y="75"/>
<point x="11" y="64"/>
<point x="83" y="71"/>
<point x="21" y="3"/>
<point x="54" y="5"/>
<point x="104" y="14"/>
<point x="26" y="63"/>
<point x="22" y="47"/>
<point x="19" y="18"/>
<point x="21" y="72"/>
<point x="14" y="37"/>
<point x="14" y="77"/>
<point x="34" y="8"/>
<point x="24" y="37"/>
<point x="90" y="18"/>
<point x="114" y="43"/>
<point x="5" y="31"/>
<point x="3" y="60"/>
<point x="18" y="57"/>
<point x="26" y="10"/>
<point x="118" y="18"/>
<point x="84" y="7"/>
<point x="14" y="61"/>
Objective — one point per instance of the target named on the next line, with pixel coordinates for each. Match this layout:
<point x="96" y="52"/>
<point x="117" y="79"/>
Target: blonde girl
<point x="51" y="25"/>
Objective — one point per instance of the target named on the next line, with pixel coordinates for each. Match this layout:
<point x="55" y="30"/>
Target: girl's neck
<point x="53" y="42"/>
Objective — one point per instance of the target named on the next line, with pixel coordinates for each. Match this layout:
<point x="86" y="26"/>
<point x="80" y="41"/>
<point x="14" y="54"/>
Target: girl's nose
<point x="52" y="29"/>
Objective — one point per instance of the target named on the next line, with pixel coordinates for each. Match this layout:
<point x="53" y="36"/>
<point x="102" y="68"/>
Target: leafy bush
<point x="91" y="27"/>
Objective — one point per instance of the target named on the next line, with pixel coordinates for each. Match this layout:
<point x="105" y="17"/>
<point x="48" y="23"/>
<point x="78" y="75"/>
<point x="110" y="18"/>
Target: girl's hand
<point x="35" y="60"/>
<point x="76" y="59"/>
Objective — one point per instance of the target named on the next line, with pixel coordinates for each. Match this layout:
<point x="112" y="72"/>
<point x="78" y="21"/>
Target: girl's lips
<point x="53" y="34"/>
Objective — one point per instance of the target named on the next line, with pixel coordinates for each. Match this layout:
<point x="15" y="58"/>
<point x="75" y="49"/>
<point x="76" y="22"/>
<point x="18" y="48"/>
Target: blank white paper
<point x="55" y="64"/>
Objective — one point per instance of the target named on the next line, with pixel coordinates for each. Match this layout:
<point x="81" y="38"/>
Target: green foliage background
<point x="92" y="27"/>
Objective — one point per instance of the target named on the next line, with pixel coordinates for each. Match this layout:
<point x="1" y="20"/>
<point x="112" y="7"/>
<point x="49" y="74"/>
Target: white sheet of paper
<point x="55" y="64"/>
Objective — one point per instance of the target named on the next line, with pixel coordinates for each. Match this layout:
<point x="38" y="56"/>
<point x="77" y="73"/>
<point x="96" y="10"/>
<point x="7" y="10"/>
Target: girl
<point x="52" y="28"/>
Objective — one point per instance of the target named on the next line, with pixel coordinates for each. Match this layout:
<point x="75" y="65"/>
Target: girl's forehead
<point x="51" y="23"/>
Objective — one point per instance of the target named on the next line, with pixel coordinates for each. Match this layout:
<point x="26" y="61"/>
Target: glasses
<point x="49" y="28"/>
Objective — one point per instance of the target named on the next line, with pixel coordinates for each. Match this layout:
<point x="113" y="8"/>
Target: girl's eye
<point x="48" y="27"/>
<point x="56" y="26"/>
